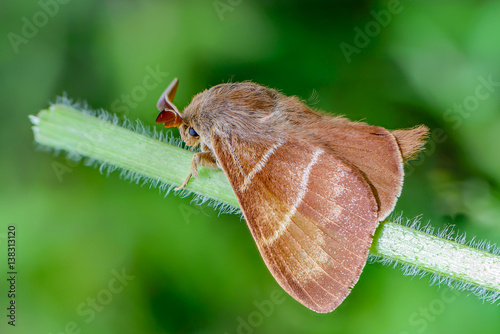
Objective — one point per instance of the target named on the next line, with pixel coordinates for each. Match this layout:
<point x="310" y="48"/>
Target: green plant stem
<point x="69" y="129"/>
<point x="440" y="256"/>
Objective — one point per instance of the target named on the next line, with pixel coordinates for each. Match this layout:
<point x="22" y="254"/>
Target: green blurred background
<point x="391" y="64"/>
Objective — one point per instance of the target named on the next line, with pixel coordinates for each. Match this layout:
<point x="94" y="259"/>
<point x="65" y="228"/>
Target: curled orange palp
<point x="170" y="118"/>
<point x="169" y="114"/>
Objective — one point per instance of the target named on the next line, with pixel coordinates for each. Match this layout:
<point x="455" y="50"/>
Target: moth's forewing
<point x="311" y="214"/>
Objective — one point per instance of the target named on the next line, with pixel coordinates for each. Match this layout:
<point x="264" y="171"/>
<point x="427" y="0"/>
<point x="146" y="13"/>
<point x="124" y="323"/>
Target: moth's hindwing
<point x="372" y="149"/>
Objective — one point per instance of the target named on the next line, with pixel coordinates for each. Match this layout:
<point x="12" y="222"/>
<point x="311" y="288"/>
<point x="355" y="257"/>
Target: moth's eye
<point x="192" y="132"/>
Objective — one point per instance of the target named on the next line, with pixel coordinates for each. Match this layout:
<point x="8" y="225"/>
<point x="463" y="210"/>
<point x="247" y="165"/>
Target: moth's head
<point x="170" y="116"/>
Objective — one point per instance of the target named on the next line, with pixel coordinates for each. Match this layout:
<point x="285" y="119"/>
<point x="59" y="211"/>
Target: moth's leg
<point x="205" y="159"/>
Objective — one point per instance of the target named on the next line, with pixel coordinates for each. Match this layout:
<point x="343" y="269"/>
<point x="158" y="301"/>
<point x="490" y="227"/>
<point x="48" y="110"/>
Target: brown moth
<point x="312" y="186"/>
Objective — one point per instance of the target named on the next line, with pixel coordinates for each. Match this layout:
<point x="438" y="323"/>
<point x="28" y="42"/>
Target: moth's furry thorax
<point x="255" y="110"/>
